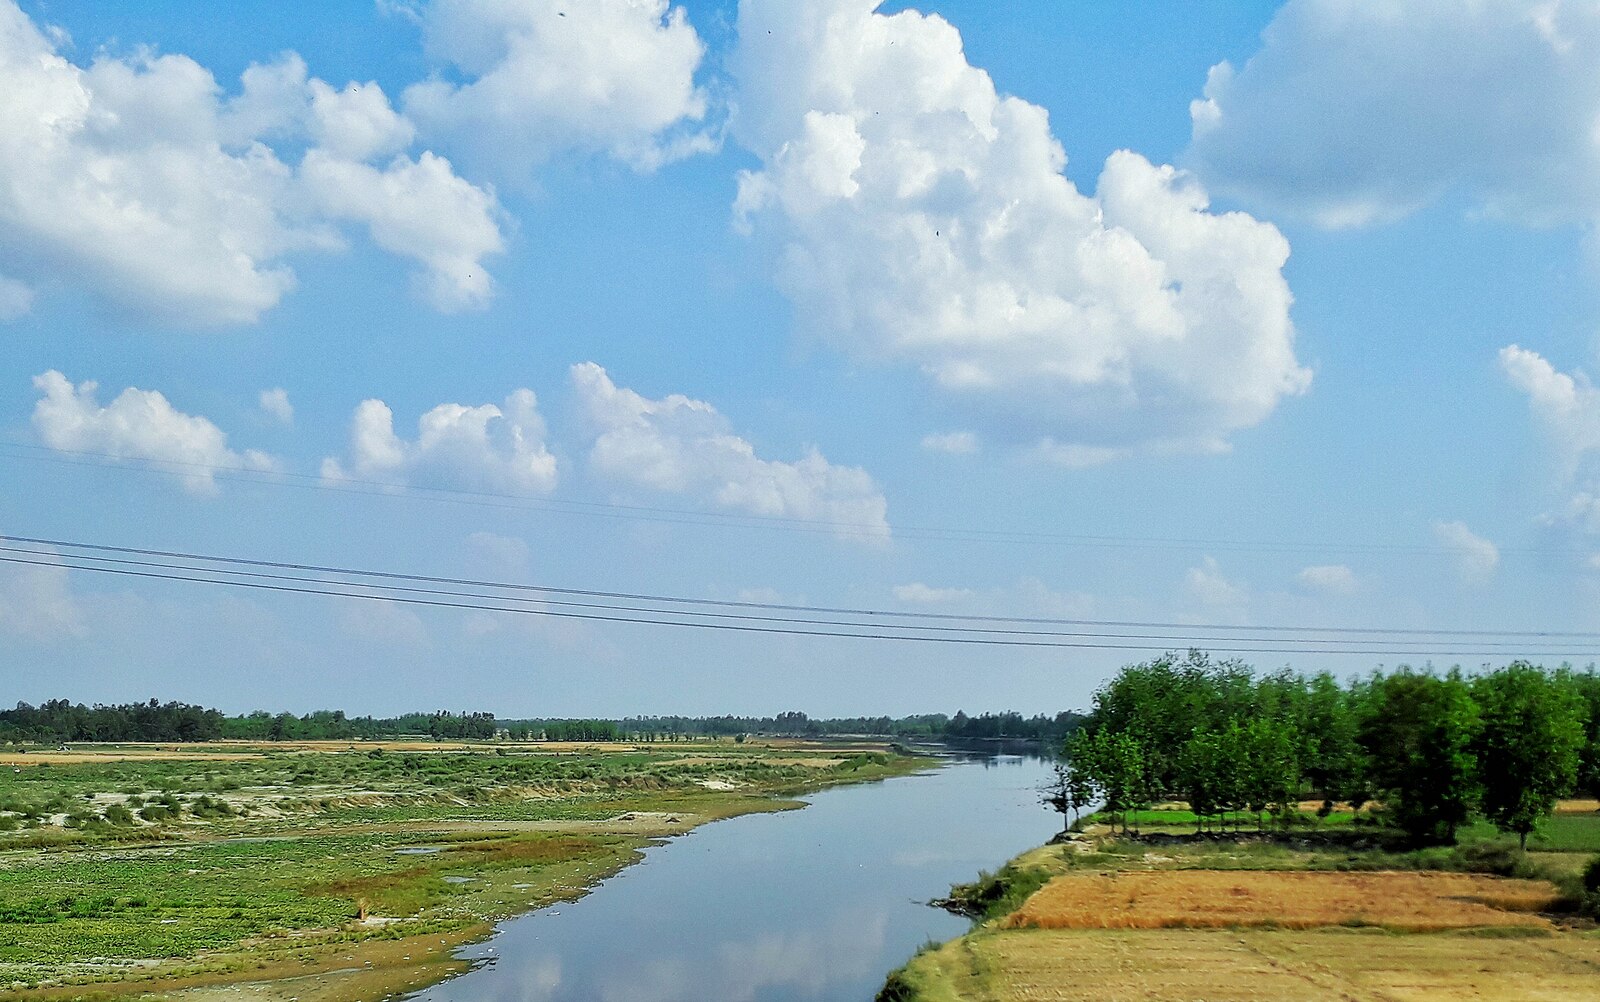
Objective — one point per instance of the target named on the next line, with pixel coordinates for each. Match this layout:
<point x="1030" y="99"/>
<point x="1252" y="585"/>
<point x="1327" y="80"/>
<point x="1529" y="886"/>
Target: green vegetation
<point x="123" y="864"/>
<point x="1429" y="752"/>
<point x="1292" y="807"/>
<point x="59" y="721"/>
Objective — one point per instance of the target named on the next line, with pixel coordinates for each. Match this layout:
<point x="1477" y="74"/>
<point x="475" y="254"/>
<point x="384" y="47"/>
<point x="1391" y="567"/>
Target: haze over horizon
<point x="1253" y="315"/>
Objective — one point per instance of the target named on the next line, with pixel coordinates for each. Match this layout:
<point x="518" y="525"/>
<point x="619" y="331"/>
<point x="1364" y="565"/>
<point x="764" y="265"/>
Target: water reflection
<point x="816" y="904"/>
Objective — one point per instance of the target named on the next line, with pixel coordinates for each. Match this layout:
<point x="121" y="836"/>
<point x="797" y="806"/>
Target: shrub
<point x="119" y="815"/>
<point x="1591" y="876"/>
<point x="158" y="812"/>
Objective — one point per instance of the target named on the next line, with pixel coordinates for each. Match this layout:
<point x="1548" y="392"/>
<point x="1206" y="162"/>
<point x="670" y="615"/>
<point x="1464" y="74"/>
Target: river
<point x="815" y="905"/>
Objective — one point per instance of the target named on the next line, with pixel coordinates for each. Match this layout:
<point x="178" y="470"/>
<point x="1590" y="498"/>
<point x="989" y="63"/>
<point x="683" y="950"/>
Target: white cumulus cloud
<point x="1476" y="558"/>
<point x="540" y="77"/>
<point x="1567" y="405"/>
<point x="137" y="425"/>
<point x="1355" y="113"/>
<point x="136" y="178"/>
<point x="677" y="445"/>
<point x="1329" y="579"/>
<point x="418" y="209"/>
<point x="925" y="219"/>
<point x="492" y="448"/>
<point x="275" y="404"/>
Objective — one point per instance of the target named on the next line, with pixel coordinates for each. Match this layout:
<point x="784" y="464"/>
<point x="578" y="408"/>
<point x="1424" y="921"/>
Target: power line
<point x="884" y="626"/>
<point x="645" y="620"/>
<point x="883" y="614"/>
<point x="1186" y="638"/>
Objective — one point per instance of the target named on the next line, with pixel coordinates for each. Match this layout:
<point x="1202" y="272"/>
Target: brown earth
<point x="1406" y="901"/>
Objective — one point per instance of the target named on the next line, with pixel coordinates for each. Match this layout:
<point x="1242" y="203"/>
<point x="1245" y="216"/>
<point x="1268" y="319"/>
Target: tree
<point x="1203" y="770"/>
<point x="1271" y="769"/>
<point x="1330" y="754"/>
<point x="1118" y="767"/>
<point x="1587" y="688"/>
<point x="1417" y="732"/>
<point x="1529" y="737"/>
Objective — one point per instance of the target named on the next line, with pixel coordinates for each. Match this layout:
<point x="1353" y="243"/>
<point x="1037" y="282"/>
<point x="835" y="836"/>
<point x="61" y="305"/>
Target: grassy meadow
<point x="126" y="869"/>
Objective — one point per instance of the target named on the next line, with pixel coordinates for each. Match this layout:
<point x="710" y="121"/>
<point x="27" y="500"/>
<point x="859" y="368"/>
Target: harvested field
<point x="1578" y="807"/>
<point x="1200" y="899"/>
<point x="1284" y="966"/>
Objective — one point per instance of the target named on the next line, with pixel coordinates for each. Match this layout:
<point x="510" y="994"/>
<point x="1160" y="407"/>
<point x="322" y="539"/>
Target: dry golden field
<point x="1200" y="899"/>
<point x="1256" y="965"/>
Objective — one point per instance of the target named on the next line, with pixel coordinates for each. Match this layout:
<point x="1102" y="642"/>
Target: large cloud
<point x="136" y="179"/>
<point x="926" y="219"/>
<point x="685" y="447"/>
<point x="1354" y="113"/>
<point x="538" y="77"/>
<point x="137" y="425"/>
<point x="499" y="449"/>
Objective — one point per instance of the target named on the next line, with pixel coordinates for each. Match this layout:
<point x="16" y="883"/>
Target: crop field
<point x="1255" y="966"/>
<point x="1308" y="915"/>
<point x="1411" y="902"/>
<point x="127" y="869"/>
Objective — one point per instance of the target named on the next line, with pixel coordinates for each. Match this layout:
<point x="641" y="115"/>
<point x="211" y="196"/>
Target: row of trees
<point x="563" y="730"/>
<point x="1432" y="749"/>
<point x="930" y="726"/>
<point x="59" y="721"/>
<point x="334" y="725"/>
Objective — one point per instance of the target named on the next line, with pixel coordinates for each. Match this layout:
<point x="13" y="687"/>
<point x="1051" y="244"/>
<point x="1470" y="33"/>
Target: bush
<point x="158" y="812"/>
<point x="119" y="815"/>
<point x="1591" y="876"/>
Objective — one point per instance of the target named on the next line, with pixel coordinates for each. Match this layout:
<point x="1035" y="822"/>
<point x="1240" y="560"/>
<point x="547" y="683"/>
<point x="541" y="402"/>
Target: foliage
<point x="1418" y="731"/>
<point x="1429" y="749"/>
<point x="59" y="721"/>
<point x="1530" y="733"/>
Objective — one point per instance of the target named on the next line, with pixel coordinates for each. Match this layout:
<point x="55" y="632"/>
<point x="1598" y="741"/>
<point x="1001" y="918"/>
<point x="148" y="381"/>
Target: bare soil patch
<point x="1405" y="901"/>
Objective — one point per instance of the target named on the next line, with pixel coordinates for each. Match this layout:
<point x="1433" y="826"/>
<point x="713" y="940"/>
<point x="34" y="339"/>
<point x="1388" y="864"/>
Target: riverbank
<point x="1167" y="915"/>
<point x="346" y="872"/>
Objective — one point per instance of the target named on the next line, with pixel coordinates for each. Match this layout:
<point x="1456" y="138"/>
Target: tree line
<point x="58" y="720"/>
<point x="1430" y="750"/>
<point x="334" y="725"/>
<point x="563" y="730"/>
<point x="792" y="723"/>
<point x="61" y="721"/>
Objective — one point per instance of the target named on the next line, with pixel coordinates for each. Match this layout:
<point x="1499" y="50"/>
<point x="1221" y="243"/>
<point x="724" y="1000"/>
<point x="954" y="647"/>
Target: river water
<point x="815" y="905"/>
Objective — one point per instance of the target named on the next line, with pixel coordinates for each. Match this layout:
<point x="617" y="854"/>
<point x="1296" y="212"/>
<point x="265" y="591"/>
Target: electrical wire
<point x="884" y="625"/>
<point x="885" y="614"/>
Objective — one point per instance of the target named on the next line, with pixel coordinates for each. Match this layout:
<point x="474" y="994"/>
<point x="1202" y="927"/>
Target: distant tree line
<point x="932" y="726"/>
<point x="58" y="721"/>
<point x="334" y="725"/>
<point x="563" y="730"/>
<point x="1431" y="750"/>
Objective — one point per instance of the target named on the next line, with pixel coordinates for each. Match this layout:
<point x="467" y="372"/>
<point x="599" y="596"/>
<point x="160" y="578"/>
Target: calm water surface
<point x="818" y="904"/>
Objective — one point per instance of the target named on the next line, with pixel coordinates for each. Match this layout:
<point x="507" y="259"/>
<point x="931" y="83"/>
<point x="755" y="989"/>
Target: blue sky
<point x="768" y="262"/>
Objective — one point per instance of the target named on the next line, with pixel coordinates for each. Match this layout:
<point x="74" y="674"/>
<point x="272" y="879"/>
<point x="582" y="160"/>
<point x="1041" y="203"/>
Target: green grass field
<point x="117" y="872"/>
